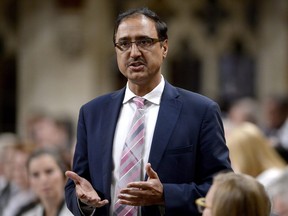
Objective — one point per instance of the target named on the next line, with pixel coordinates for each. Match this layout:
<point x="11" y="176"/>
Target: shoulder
<point x="65" y="211"/>
<point x="34" y="209"/>
<point x="268" y="176"/>
<point x="189" y="99"/>
<point x="195" y="98"/>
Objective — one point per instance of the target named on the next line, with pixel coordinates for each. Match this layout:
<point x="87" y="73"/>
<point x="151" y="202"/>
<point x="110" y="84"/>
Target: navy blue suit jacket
<point x="188" y="149"/>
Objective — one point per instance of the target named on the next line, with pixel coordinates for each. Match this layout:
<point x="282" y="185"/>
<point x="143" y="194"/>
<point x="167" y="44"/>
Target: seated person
<point x="235" y="195"/>
<point x="279" y="194"/>
<point x="251" y="153"/>
<point x="21" y="193"/>
<point x="46" y="170"/>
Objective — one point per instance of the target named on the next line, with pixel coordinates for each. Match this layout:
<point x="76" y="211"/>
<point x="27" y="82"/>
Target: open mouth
<point x="136" y="66"/>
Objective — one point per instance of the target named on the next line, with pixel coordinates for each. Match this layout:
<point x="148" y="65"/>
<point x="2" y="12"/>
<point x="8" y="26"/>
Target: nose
<point x="135" y="52"/>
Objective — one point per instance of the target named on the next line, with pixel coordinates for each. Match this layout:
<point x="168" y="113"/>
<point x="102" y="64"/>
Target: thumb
<point x="150" y="172"/>
<point x="74" y="176"/>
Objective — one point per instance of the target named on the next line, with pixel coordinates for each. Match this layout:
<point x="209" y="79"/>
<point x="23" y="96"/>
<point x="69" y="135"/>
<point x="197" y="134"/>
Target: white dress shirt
<point x="38" y="210"/>
<point x="125" y="118"/>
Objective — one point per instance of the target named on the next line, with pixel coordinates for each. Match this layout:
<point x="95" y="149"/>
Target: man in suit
<point x="184" y="143"/>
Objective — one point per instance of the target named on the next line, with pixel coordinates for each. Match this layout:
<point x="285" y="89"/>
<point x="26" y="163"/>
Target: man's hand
<point x="143" y="193"/>
<point x="85" y="192"/>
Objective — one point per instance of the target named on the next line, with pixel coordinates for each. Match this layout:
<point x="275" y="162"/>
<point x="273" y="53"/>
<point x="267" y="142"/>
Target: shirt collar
<point x="154" y="96"/>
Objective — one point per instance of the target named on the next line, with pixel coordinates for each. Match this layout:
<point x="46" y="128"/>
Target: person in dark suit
<point x="184" y="138"/>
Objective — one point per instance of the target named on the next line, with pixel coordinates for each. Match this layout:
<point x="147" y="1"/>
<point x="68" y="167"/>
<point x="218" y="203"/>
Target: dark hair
<point x="281" y="100"/>
<point x="160" y="25"/>
<point x="54" y="153"/>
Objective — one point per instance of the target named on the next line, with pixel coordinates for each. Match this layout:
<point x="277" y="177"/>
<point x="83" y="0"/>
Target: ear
<point x="165" y="48"/>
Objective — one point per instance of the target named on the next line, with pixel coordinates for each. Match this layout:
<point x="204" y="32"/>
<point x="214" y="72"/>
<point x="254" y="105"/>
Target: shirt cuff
<point x="85" y="210"/>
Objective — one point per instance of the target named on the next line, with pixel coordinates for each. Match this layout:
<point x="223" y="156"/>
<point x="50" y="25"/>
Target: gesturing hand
<point x="143" y="193"/>
<point x="85" y="192"/>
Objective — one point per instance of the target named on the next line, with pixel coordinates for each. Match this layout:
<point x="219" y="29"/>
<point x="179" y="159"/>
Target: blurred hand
<point x="143" y="193"/>
<point x="85" y="192"/>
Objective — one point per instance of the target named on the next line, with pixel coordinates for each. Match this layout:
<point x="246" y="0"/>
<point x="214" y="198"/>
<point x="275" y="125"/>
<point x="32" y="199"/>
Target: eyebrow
<point x="137" y="37"/>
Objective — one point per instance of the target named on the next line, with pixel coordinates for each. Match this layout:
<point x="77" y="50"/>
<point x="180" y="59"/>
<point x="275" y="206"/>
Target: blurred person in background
<point x="51" y="131"/>
<point x="46" y="168"/>
<point x="278" y="192"/>
<point x="242" y="110"/>
<point x="7" y="189"/>
<point x="19" y="179"/>
<point x="7" y="140"/>
<point x="235" y="195"/>
<point x="276" y="123"/>
<point x="47" y="130"/>
<point x="251" y="153"/>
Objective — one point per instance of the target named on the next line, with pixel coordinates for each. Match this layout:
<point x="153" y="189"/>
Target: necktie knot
<point x="139" y="101"/>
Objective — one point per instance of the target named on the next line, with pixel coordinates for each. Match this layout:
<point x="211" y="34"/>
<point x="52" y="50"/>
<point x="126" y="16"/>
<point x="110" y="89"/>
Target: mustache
<point x="136" y="61"/>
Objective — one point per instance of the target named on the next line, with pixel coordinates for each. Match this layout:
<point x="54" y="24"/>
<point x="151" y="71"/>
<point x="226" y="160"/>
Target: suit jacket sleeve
<point x="93" y="152"/>
<point x="70" y="196"/>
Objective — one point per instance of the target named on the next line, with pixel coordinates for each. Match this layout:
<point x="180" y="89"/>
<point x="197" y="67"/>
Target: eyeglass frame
<point x="201" y="204"/>
<point x="136" y="42"/>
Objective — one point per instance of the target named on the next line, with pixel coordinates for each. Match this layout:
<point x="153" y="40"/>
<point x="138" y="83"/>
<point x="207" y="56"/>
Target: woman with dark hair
<point x="46" y="169"/>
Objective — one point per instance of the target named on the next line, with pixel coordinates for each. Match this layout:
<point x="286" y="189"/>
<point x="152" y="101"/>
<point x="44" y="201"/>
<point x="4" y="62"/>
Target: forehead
<point x="42" y="161"/>
<point x="210" y="194"/>
<point x="135" y="26"/>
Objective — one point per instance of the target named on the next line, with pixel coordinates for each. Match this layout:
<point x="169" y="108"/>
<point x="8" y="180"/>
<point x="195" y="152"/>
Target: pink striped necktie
<point x="131" y="158"/>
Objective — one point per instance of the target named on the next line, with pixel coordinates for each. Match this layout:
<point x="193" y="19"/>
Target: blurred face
<point x="208" y="199"/>
<point x="280" y="207"/>
<point x="19" y="171"/>
<point x="142" y="67"/>
<point x="46" y="178"/>
<point x="8" y="163"/>
<point x="274" y="116"/>
<point x="46" y="133"/>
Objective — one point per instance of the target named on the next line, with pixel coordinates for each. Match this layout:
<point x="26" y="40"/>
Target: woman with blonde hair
<point x="250" y="153"/>
<point x="235" y="195"/>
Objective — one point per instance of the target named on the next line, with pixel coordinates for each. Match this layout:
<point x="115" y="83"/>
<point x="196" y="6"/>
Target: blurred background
<point x="56" y="55"/>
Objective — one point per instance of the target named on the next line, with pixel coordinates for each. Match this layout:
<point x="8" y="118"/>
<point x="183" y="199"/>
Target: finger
<point x="130" y="190"/>
<point x="126" y="202"/>
<point x="136" y="184"/>
<point x="127" y="197"/>
<point x="83" y="198"/>
<point x="143" y="185"/>
<point x="103" y="202"/>
<point x="99" y="203"/>
<point x="150" y="172"/>
<point x="96" y="202"/>
<point x="74" y="176"/>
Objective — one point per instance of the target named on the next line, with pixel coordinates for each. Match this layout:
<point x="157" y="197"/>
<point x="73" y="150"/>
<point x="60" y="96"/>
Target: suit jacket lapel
<point x="167" y="117"/>
<point x="108" y="124"/>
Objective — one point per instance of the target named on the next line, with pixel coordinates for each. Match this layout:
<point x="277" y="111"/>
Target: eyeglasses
<point x="142" y="43"/>
<point x="201" y="204"/>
